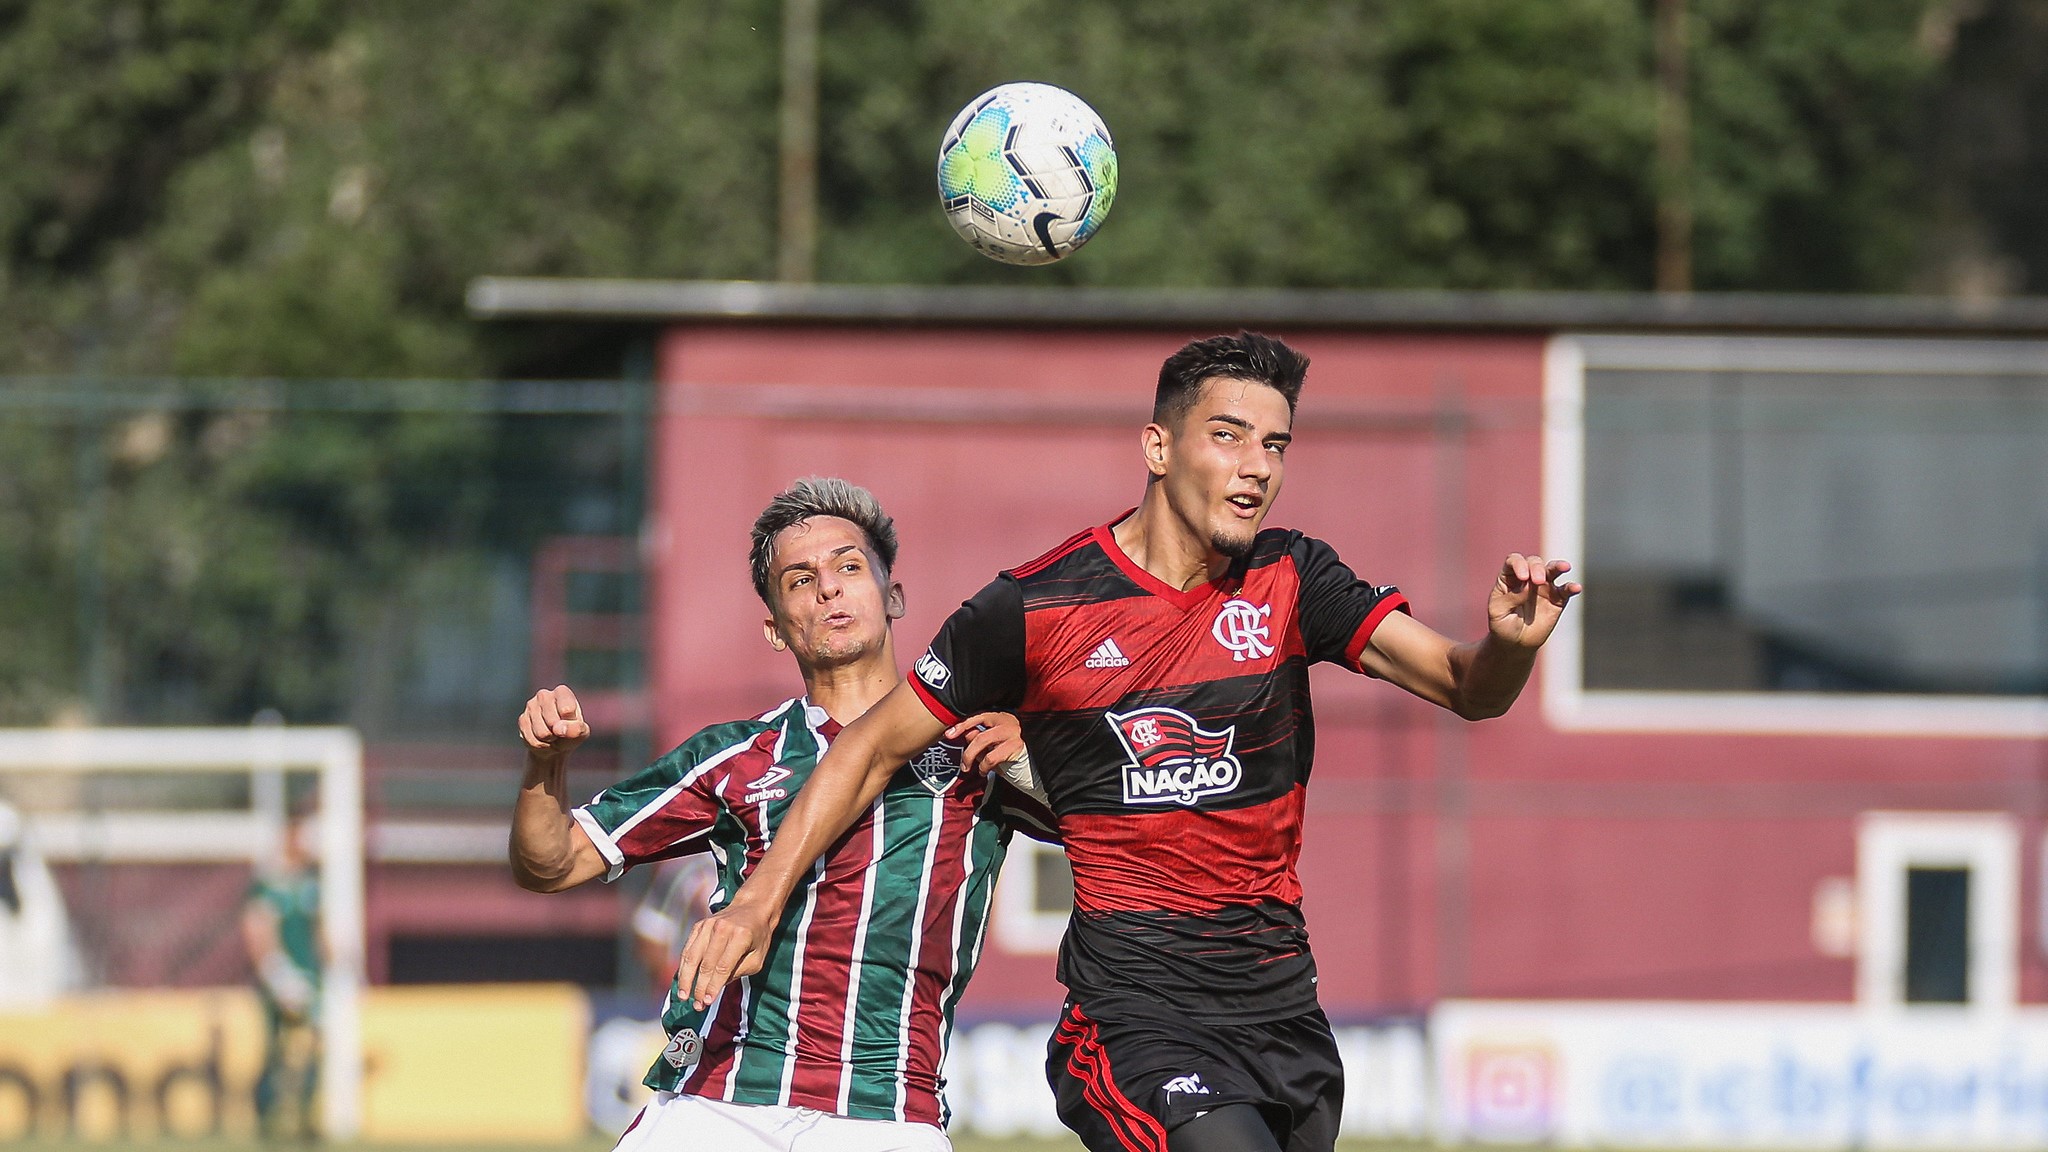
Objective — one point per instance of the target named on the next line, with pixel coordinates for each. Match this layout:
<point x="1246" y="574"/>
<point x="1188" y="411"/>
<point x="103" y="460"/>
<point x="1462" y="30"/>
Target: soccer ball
<point x="1027" y="173"/>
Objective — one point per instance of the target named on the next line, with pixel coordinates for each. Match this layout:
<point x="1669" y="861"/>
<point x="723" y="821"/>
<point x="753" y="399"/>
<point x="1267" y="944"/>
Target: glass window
<point x="1816" y="516"/>
<point x="1937" y="935"/>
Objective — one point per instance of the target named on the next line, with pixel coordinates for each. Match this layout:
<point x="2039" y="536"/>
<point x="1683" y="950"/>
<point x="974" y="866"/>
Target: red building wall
<point x="1503" y="859"/>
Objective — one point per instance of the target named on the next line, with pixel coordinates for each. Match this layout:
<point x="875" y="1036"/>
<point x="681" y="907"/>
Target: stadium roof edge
<point x="700" y="301"/>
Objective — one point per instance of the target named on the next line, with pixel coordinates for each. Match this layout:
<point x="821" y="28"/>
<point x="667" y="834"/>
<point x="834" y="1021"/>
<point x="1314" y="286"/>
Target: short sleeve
<point x="976" y="662"/>
<point x="668" y="808"/>
<point x="1338" y="610"/>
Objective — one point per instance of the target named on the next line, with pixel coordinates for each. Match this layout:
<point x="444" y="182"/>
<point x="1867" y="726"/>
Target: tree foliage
<point x="302" y="189"/>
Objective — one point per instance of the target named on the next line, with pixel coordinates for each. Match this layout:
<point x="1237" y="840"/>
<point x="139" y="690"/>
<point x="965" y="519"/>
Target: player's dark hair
<point x="1245" y="356"/>
<point x="820" y="496"/>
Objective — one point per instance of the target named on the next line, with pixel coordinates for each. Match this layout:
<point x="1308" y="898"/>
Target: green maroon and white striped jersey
<point x="853" y="1008"/>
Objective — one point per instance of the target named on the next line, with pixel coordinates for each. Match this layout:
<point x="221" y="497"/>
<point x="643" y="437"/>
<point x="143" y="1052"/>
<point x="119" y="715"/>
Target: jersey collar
<point x="1105" y="538"/>
<point x="817" y="719"/>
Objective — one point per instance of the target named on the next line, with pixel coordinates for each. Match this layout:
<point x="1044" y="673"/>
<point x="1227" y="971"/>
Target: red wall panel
<point x="1498" y="859"/>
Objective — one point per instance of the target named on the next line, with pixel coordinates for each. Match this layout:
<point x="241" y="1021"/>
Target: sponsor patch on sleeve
<point x="932" y="670"/>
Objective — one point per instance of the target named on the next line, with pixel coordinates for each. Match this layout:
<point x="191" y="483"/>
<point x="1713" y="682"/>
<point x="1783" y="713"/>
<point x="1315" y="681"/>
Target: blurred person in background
<point x="38" y="959"/>
<point x="839" y="1043"/>
<point x="679" y="896"/>
<point x="281" y="930"/>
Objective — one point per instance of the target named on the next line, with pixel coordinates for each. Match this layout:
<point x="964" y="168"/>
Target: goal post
<point x="252" y="833"/>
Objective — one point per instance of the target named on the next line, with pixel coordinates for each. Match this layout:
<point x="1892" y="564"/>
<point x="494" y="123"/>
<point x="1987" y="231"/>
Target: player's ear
<point x="1157" y="443"/>
<point x="894" y="601"/>
<point x="774" y="634"/>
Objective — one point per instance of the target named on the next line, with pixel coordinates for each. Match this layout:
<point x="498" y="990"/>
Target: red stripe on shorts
<point x="1136" y="1129"/>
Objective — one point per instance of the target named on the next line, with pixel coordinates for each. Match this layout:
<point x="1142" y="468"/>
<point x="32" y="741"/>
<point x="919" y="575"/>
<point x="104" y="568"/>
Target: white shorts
<point x="676" y="1123"/>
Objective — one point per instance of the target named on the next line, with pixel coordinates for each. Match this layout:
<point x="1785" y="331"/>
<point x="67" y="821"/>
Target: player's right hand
<point x="552" y="725"/>
<point x="723" y="947"/>
<point x="993" y="739"/>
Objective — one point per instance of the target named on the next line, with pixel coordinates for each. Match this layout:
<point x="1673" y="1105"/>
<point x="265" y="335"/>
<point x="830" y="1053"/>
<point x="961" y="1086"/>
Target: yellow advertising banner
<point x="475" y="1062"/>
<point x="126" y="1064"/>
<point x="442" y="1064"/>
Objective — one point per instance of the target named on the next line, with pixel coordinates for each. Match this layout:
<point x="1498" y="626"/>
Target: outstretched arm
<point x="731" y="944"/>
<point x="1481" y="679"/>
<point x="549" y="851"/>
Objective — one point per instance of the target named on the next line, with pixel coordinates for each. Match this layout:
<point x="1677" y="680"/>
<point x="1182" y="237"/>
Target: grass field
<point x="960" y="1144"/>
<point x="594" y="1144"/>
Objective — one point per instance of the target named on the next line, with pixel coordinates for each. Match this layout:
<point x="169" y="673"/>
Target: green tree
<point x="302" y="189"/>
<point x="297" y="187"/>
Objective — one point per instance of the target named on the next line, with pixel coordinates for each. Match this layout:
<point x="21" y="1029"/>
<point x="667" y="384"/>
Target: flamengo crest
<point x="1173" y="759"/>
<point x="1241" y="627"/>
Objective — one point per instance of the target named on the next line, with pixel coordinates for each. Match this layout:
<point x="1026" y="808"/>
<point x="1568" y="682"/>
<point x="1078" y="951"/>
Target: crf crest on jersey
<point x="1242" y="628"/>
<point x="1173" y="759"/>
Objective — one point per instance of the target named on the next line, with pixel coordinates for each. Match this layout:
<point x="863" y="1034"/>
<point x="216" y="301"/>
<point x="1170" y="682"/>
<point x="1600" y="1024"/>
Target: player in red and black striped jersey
<point x="1172" y="733"/>
<point x="1159" y="667"/>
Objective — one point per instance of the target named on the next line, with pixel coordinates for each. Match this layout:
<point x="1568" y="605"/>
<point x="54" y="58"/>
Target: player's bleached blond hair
<point x="820" y="496"/>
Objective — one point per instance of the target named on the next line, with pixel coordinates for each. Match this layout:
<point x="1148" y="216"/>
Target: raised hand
<point x="552" y="725"/>
<point x="1527" y="599"/>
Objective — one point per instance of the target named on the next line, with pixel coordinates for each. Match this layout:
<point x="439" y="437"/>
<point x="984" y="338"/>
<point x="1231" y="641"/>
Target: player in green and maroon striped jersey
<point x="850" y="1015"/>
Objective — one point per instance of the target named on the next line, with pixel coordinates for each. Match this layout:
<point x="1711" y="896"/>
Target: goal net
<point x="128" y="862"/>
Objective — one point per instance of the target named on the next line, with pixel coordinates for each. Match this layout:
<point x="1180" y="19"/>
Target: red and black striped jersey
<point x="1173" y="733"/>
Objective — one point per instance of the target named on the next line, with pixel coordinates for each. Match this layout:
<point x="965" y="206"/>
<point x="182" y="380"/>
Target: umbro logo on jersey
<point x="683" y="1048"/>
<point x="1173" y="759"/>
<point x="1190" y="1084"/>
<point x="768" y="786"/>
<point x="1241" y="627"/>
<point x="933" y="670"/>
<point x="1107" y="655"/>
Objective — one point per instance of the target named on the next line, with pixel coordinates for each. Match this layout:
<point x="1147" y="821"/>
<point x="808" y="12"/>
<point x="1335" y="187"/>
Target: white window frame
<point x="1021" y="929"/>
<point x="1569" y="705"/>
<point x="1890" y="843"/>
<point x="2041" y="895"/>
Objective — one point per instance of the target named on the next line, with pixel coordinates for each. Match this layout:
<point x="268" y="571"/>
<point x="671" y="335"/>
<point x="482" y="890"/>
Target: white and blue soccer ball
<point x="1027" y="173"/>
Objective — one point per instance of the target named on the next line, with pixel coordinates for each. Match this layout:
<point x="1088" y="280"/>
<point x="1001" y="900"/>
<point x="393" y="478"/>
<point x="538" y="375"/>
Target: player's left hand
<point x="993" y="740"/>
<point x="1527" y="599"/>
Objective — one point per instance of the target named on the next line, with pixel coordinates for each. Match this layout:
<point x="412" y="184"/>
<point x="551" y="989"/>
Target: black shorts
<point x="1124" y="1082"/>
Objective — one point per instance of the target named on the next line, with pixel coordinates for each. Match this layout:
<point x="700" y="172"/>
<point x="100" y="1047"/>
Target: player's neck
<point x="846" y="691"/>
<point x="1164" y="545"/>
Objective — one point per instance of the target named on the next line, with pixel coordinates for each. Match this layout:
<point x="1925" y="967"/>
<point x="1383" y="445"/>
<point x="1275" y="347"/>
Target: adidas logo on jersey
<point x="1107" y="655"/>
